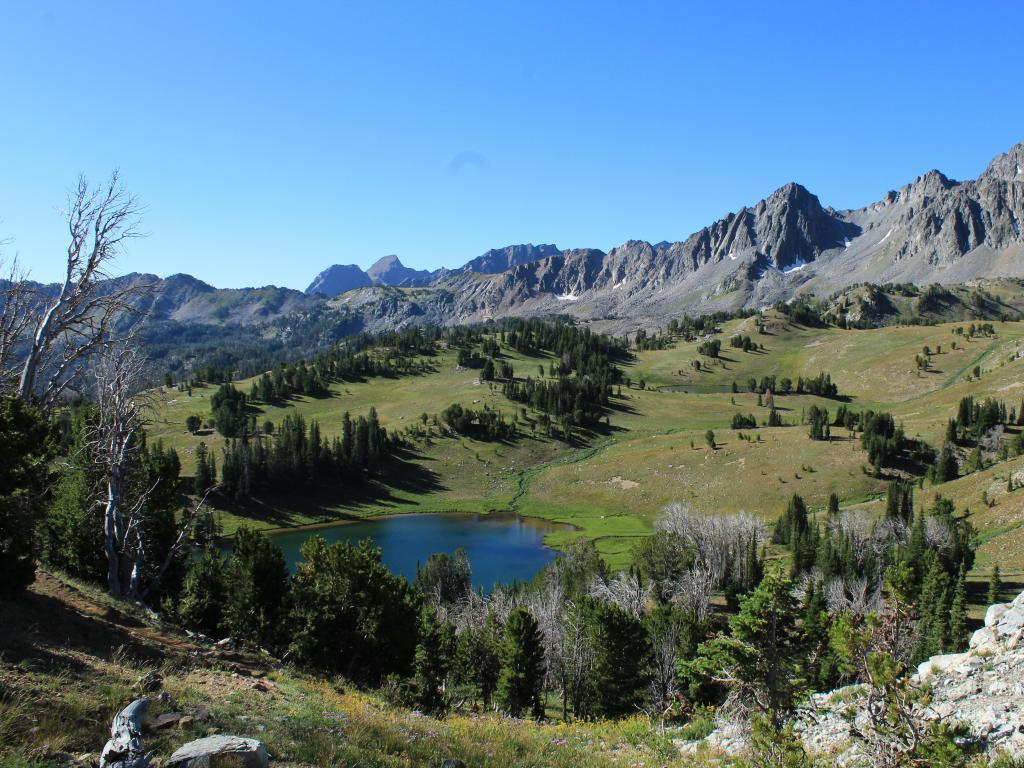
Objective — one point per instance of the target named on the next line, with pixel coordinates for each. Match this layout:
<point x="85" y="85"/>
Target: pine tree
<point x="256" y="579"/>
<point x="621" y="657"/>
<point x="833" y="505"/>
<point x="995" y="585"/>
<point x="431" y="662"/>
<point x="202" y="476"/>
<point x="766" y="646"/>
<point x="945" y="466"/>
<point x="522" y="665"/>
<point x="476" y="662"/>
<point x="932" y="626"/>
<point x="958" y="614"/>
<point x="201" y="606"/>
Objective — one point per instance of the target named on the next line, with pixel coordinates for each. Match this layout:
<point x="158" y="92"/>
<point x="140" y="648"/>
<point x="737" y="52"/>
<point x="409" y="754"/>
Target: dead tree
<point x="115" y="446"/>
<point x="58" y="331"/>
<point x="15" y="318"/>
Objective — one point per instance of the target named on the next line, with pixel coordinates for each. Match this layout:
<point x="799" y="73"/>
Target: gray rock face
<point x="220" y="752"/>
<point x="391" y="271"/>
<point x="499" y="260"/>
<point x="932" y="230"/>
<point x="983" y="688"/>
<point x="338" y="279"/>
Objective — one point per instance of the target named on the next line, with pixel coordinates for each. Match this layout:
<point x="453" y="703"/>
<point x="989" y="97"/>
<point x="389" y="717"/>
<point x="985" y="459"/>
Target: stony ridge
<point x="981" y="688"/>
<point x="933" y="229"/>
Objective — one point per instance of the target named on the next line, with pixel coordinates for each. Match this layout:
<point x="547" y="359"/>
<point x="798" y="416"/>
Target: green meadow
<point x="614" y="482"/>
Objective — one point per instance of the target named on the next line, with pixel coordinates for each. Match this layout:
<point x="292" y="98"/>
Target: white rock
<point x="984" y="639"/>
<point x="938" y="664"/>
<point x="994" y="612"/>
<point x="232" y="750"/>
<point x="1011" y="622"/>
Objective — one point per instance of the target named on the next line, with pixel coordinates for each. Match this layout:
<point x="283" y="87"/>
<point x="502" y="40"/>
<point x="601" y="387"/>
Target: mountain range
<point x="932" y="230"/>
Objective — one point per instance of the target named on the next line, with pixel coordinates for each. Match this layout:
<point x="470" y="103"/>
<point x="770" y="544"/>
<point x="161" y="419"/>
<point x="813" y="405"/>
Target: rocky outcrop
<point x="499" y="260"/>
<point x="124" y="749"/>
<point x="981" y="688"/>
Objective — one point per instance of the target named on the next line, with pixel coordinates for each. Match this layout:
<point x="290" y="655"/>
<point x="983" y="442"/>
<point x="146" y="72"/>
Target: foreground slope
<point x="70" y="660"/>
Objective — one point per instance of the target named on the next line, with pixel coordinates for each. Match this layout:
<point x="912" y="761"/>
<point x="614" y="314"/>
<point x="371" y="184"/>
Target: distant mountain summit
<point x="337" y="279"/>
<point x="932" y="230"/>
<point x="391" y="271"/>
<point x="502" y="259"/>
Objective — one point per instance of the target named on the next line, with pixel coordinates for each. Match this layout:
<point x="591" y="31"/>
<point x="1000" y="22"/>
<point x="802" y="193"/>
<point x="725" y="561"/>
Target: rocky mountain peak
<point x="793" y="229"/>
<point x="339" y="278"/>
<point x="503" y="259"/>
<point x="390" y="271"/>
<point x="930" y="185"/>
<point x="1008" y="166"/>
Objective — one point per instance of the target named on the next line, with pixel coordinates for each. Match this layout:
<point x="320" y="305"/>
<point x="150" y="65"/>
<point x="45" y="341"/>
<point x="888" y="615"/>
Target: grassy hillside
<point x="71" y="659"/>
<point x="614" y="484"/>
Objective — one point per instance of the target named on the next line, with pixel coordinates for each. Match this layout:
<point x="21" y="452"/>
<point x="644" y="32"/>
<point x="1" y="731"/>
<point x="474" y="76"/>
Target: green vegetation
<point x="692" y="607"/>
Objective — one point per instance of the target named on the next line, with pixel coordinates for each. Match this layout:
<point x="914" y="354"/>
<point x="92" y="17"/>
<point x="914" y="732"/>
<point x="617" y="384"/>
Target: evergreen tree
<point x="431" y="662"/>
<point x="477" y="663"/>
<point x="945" y="466"/>
<point x="821" y="665"/>
<point x="958" y="614"/>
<point x="793" y="522"/>
<point x="201" y="606"/>
<point x="932" y="628"/>
<point x="351" y="614"/>
<point x="522" y="665"/>
<point x="995" y="586"/>
<point x="256" y="586"/>
<point x="25" y="450"/>
<point x="833" y="505"/>
<point x="73" y="530"/>
<point x="204" y="477"/>
<point x="621" y="658"/>
<point x="765" y="648"/>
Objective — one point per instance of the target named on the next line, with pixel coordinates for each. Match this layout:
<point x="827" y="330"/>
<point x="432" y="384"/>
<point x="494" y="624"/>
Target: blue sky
<point x="270" y="140"/>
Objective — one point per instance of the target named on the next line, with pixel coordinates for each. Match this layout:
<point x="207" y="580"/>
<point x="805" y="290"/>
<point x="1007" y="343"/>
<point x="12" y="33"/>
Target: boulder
<point x="166" y="720"/>
<point x="984" y="639"/>
<point x="994" y="613"/>
<point x="220" y="751"/>
<point x="1011" y="622"/>
<point x="939" y="664"/>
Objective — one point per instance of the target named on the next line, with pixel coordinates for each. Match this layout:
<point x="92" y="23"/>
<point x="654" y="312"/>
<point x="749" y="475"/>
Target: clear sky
<point x="270" y="140"/>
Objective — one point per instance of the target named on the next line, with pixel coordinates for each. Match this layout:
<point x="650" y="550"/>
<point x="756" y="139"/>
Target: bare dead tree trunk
<point x="60" y="332"/>
<point x="113" y="531"/>
<point x="15" y="318"/>
<point x="115" y="447"/>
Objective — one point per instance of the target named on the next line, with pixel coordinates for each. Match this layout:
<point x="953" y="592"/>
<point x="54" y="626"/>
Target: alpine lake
<point x="503" y="547"/>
